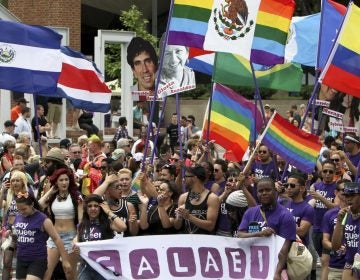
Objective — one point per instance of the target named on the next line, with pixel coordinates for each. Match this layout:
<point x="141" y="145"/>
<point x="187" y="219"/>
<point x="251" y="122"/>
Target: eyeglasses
<point x="93" y="206"/>
<point x="188" y="176"/>
<point x="291" y="185"/>
<point x="262" y="152"/>
<point x="328" y="171"/>
<point x="335" y="159"/>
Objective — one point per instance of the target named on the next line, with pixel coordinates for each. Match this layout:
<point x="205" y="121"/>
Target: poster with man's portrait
<point x="143" y="60"/>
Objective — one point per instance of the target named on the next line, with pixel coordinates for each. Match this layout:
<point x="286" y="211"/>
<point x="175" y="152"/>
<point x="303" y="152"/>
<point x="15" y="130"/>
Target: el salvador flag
<point x="82" y="83"/>
<point x="30" y="58"/>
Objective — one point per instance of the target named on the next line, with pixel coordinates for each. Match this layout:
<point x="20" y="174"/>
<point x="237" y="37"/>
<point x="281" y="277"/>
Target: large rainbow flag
<point x="342" y="70"/>
<point x="258" y="32"/>
<point x="299" y="148"/>
<point x="232" y="120"/>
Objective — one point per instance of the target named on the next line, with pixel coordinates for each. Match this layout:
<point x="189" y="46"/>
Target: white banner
<point x="333" y="113"/>
<point x="183" y="256"/>
<point x="322" y="103"/>
<point x="336" y="124"/>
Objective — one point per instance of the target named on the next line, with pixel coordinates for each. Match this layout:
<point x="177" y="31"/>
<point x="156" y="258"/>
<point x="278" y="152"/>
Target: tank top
<point x="63" y="209"/>
<point x="31" y="239"/>
<point x="199" y="211"/>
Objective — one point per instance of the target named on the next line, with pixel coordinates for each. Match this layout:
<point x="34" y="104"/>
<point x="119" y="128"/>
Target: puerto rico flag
<point x="81" y="83"/>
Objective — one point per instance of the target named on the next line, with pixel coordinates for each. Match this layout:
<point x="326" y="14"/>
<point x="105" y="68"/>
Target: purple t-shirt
<point x="279" y="219"/>
<point x="327" y="191"/>
<point x="337" y="260"/>
<point x="351" y="238"/>
<point x="302" y="211"/>
<point x="93" y="234"/>
<point x="31" y="239"/>
<point x="261" y="170"/>
<point x="354" y="158"/>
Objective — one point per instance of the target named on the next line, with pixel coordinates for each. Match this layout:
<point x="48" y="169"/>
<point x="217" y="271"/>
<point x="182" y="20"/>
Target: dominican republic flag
<point x="30" y="58"/>
<point x="82" y="83"/>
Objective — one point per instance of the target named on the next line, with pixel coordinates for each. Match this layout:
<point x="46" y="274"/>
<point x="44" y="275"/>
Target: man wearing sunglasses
<point x="323" y="194"/>
<point x="301" y="210"/>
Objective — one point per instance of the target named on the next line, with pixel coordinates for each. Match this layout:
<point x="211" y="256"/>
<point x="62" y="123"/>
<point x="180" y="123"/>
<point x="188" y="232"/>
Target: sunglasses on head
<point x="291" y="185"/>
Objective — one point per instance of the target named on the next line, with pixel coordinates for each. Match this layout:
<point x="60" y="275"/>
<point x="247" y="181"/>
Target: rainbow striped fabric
<point x="271" y="31"/>
<point x="232" y="120"/>
<point x="342" y="70"/>
<point x="189" y="22"/>
<point x="299" y="148"/>
<point x="258" y="32"/>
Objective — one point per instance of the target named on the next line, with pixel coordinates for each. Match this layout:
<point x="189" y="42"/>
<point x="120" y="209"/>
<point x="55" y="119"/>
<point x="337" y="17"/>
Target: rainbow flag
<point x="189" y="22"/>
<point x="271" y="31"/>
<point x="342" y="70"/>
<point x="232" y="69"/>
<point x="232" y="120"/>
<point x="299" y="148"/>
<point x="258" y="32"/>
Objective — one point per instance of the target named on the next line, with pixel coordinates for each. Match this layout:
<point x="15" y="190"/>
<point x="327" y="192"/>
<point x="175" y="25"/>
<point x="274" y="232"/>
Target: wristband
<point x="113" y="217"/>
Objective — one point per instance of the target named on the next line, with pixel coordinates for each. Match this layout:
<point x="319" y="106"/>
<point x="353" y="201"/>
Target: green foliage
<point x="133" y="21"/>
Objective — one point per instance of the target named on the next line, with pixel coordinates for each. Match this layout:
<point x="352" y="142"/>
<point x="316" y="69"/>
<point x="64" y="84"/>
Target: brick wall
<point x="59" y="13"/>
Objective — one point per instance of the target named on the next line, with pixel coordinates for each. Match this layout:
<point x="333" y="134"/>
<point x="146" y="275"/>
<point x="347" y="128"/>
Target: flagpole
<point x="257" y="97"/>
<point x="37" y="126"/>
<point x="259" y="140"/>
<point x="157" y="81"/>
<point x="158" y="130"/>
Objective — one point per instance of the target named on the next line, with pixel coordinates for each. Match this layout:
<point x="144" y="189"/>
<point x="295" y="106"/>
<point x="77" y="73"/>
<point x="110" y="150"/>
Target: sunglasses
<point x="340" y="190"/>
<point x="262" y="152"/>
<point x="335" y="159"/>
<point x="174" y="159"/>
<point x="328" y="171"/>
<point x="24" y="195"/>
<point x="76" y="152"/>
<point x="291" y="185"/>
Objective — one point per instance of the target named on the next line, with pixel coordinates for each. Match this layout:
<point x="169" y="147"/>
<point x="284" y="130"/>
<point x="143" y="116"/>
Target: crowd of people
<point x="87" y="191"/>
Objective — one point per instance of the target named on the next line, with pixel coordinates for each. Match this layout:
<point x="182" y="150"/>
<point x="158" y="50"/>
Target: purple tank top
<point x="31" y="239"/>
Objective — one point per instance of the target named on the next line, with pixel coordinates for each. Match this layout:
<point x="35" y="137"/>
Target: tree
<point x="132" y="20"/>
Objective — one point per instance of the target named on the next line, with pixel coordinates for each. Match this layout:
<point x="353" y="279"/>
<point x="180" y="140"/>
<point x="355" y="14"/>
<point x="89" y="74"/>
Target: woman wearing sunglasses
<point x="340" y="172"/>
<point x="32" y="229"/>
<point x="98" y="223"/>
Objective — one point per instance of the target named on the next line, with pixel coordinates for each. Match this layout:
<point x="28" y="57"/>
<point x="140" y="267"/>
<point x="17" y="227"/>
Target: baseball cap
<point x="122" y="142"/>
<point x="117" y="154"/>
<point x="65" y="143"/>
<point x="267" y="106"/>
<point x="352" y="138"/>
<point x="351" y="188"/>
<point x="9" y="123"/>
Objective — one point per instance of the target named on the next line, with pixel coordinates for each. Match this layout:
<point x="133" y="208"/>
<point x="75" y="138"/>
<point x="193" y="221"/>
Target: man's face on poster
<point x="144" y="71"/>
<point x="174" y="59"/>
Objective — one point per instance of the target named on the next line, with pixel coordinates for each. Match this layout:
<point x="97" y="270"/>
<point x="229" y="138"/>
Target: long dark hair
<point x="104" y="223"/>
<point x="73" y="191"/>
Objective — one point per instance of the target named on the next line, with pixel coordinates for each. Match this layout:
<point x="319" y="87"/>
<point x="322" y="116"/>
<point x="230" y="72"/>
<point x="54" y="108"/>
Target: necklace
<point x="195" y="196"/>
<point x="62" y="197"/>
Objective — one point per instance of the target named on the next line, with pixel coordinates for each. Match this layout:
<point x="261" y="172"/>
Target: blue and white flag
<point x="302" y="45"/>
<point x="30" y="58"/>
